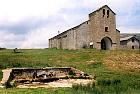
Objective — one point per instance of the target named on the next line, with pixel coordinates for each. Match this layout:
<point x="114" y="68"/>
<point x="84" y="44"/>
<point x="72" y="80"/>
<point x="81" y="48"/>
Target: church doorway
<point x="106" y="43"/>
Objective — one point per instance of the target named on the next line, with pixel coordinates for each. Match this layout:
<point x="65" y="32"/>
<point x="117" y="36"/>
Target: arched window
<point x="103" y="12"/>
<point x="107" y="13"/>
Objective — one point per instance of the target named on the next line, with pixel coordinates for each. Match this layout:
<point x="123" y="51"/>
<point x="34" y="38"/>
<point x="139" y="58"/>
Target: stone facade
<point x="98" y="32"/>
<point x="129" y="43"/>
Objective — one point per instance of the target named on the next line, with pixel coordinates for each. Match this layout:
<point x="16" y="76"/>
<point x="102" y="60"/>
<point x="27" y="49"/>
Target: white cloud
<point x="10" y="40"/>
<point x="58" y="14"/>
<point x="15" y="10"/>
<point x="129" y="30"/>
<point x="37" y="39"/>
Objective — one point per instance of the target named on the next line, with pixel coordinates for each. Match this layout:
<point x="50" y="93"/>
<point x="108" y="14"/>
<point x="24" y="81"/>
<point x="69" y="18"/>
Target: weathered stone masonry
<point x="27" y="77"/>
<point x="98" y="32"/>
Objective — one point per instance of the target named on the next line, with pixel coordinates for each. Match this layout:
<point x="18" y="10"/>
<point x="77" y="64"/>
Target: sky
<point x="30" y="23"/>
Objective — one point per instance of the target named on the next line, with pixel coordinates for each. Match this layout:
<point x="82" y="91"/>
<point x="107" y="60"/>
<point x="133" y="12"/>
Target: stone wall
<point x="74" y="38"/>
<point x="128" y="44"/>
<point x="82" y="36"/>
<point x="135" y="44"/>
<point x="98" y="24"/>
<point x="17" y="76"/>
<point x="30" y="74"/>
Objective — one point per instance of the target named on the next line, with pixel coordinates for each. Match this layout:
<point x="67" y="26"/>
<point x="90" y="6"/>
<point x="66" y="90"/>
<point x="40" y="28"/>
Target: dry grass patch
<point x="128" y="61"/>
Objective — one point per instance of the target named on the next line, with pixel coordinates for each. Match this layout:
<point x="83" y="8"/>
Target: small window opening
<point x="106" y="29"/>
<point x="133" y="47"/>
<point x="107" y="13"/>
<point x="103" y="12"/>
<point x="133" y="40"/>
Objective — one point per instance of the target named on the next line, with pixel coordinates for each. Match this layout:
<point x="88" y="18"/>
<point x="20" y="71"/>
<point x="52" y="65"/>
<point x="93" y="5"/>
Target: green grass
<point x="113" y="74"/>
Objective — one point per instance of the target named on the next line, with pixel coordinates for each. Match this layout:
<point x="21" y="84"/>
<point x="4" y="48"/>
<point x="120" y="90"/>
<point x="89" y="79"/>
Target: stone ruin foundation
<point x="44" y="77"/>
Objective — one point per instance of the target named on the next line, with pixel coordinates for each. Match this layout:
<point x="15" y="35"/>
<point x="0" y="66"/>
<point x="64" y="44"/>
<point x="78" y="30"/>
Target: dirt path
<point x="6" y="74"/>
<point x="59" y="83"/>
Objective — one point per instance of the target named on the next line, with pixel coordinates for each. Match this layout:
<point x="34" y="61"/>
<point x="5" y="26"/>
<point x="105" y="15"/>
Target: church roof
<point x="69" y="30"/>
<point x="127" y="38"/>
<point x="101" y="8"/>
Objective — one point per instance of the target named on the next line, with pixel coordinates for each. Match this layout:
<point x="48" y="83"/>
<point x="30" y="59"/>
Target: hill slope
<point x="109" y="67"/>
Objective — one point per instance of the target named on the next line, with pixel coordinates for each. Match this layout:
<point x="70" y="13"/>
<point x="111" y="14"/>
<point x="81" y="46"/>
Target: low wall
<point x="29" y="75"/>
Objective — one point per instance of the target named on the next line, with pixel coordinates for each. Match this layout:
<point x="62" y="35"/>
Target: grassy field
<point x="117" y="72"/>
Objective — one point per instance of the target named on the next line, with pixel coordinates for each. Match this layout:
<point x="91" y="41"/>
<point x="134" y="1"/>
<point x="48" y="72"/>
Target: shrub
<point x="72" y="73"/>
<point x="87" y="89"/>
<point x="104" y="82"/>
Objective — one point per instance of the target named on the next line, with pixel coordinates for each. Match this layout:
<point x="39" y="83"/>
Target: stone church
<point x="98" y="32"/>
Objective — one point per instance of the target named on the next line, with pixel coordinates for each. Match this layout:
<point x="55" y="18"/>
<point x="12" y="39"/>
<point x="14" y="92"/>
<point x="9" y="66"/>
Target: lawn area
<point x="116" y="72"/>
